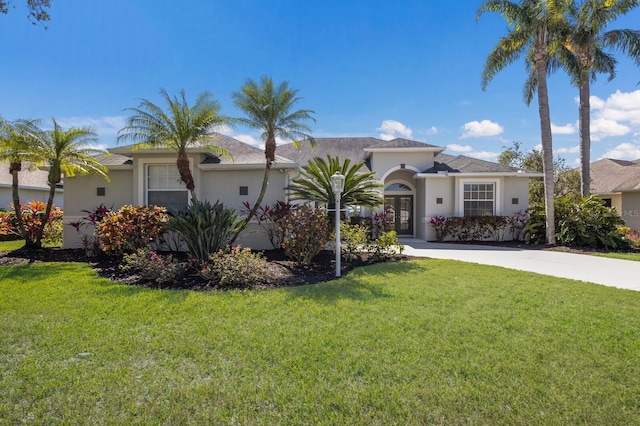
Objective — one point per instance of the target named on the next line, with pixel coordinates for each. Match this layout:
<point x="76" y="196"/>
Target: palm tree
<point x="268" y="108"/>
<point x="179" y="128"/>
<point x="15" y="147"/>
<point x="533" y="24"/>
<point x="314" y="183"/>
<point x="65" y="153"/>
<point x="586" y="45"/>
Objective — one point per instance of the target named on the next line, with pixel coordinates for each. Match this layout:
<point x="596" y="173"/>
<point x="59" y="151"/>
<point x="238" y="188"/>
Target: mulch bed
<point x="286" y="272"/>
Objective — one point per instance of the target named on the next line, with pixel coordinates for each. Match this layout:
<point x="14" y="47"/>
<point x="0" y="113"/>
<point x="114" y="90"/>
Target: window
<point x="164" y="187"/>
<point x="479" y="199"/>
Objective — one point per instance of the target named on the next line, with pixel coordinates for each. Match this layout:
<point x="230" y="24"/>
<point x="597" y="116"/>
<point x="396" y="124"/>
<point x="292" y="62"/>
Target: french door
<point x="401" y="208"/>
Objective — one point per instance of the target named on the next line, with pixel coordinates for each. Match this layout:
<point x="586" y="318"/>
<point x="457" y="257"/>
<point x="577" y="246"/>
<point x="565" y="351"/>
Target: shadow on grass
<point x="355" y="285"/>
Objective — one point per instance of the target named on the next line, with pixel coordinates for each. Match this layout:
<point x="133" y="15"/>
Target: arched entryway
<point x="399" y="201"/>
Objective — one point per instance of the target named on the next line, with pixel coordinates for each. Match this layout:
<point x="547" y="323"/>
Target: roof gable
<point x="464" y="164"/>
<point x="610" y="175"/>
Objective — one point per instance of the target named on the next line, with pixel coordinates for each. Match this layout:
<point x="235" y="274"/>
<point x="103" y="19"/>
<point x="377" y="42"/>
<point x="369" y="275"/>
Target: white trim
<point x="396" y="168"/>
<point x="498" y="195"/>
<point x="141" y="184"/>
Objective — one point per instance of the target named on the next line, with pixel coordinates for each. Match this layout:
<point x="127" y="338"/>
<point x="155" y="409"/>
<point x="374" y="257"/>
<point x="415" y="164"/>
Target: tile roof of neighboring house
<point x="463" y="164"/>
<point x="609" y="176"/>
<point x="26" y="178"/>
<point x="241" y="152"/>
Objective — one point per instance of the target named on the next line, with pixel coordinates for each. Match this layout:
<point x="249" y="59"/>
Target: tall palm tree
<point x="587" y="43"/>
<point x="65" y="153"/>
<point x="268" y="108"/>
<point x="314" y="183"/>
<point x="533" y="24"/>
<point x="16" y="148"/>
<point x="179" y="127"/>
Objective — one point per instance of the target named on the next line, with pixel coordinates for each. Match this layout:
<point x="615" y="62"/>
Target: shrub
<point x="131" y="228"/>
<point x="517" y="222"/>
<point x="307" y="231"/>
<point x="152" y="266"/>
<point x="354" y="238"/>
<point x="270" y="218"/>
<point x="582" y="222"/>
<point x="387" y="244"/>
<point x="381" y="222"/>
<point x="236" y="267"/>
<point x="631" y="237"/>
<point x="438" y="223"/>
<point x="90" y="241"/>
<point x="205" y="228"/>
<point x="32" y="216"/>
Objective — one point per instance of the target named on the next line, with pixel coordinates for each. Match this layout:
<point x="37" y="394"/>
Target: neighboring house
<point x="150" y="176"/>
<point x="32" y="185"/>
<point x="419" y="181"/>
<point x="617" y="182"/>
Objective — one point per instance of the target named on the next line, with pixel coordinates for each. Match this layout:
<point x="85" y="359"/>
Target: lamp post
<point x="337" y="185"/>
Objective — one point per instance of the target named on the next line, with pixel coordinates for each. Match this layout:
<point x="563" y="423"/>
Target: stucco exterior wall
<point x="383" y="162"/>
<point x="438" y="187"/>
<point x="29" y="194"/>
<point x="630" y="211"/>
<point x="515" y="188"/>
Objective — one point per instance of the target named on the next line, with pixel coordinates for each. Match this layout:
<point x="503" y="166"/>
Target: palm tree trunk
<point x="186" y="176"/>
<point x="45" y="219"/>
<point x="14" y="168"/>
<point x="547" y="148"/>
<point x="585" y="132"/>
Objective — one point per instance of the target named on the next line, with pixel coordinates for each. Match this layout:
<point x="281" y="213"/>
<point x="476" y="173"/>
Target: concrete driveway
<point x="600" y="270"/>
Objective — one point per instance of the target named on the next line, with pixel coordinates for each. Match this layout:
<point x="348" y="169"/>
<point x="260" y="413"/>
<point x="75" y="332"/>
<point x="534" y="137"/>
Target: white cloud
<point x="602" y="128"/>
<point x="465" y="103"/>
<point x="570" y="150"/>
<point x="393" y="129"/>
<point x="480" y="129"/>
<point x="103" y="126"/>
<point x="567" y="129"/>
<point x="624" y="151"/>
<point x="459" y="148"/>
<point x="432" y="131"/>
<point x="248" y="139"/>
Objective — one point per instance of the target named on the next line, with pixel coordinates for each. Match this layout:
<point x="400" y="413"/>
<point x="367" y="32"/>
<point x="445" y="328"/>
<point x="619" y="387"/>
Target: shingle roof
<point x="351" y="148"/>
<point x="403" y="143"/>
<point x="32" y="178"/>
<point x="463" y="164"/>
<point x="241" y="152"/>
<point x="609" y="175"/>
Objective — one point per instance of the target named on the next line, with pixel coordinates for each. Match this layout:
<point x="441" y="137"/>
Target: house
<point x="617" y="182"/>
<point x="419" y="181"/>
<point x="32" y="186"/>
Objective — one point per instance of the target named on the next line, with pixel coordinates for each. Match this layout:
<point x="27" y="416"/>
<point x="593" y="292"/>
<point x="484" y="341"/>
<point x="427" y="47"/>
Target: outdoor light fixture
<point x="337" y="185"/>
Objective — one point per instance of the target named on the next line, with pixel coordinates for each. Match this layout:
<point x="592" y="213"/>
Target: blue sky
<point x="368" y="68"/>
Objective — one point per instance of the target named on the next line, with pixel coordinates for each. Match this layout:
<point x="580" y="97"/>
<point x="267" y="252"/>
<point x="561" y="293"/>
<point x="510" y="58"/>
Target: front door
<point x="401" y="209"/>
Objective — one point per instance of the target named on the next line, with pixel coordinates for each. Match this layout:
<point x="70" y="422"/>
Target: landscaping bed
<point x="284" y="272"/>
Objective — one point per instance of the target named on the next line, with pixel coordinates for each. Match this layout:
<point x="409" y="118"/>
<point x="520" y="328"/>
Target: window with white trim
<point x="479" y="199"/>
<point x="164" y="187"/>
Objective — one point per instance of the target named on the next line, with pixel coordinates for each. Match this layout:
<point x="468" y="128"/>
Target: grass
<point x="624" y="256"/>
<point x="11" y="245"/>
<point x="420" y="342"/>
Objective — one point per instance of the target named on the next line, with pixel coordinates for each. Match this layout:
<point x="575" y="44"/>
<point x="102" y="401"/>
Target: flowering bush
<point x="131" y="228"/>
<point x="632" y="237"/>
<point x="438" y="223"/>
<point x="32" y="216"/>
<point x="517" y="222"/>
<point x="236" y="267"/>
<point x="381" y="222"/>
<point x="271" y="218"/>
<point x="152" y="266"/>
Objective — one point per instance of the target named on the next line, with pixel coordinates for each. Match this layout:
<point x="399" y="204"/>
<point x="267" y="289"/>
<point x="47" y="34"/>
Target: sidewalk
<point x="595" y="269"/>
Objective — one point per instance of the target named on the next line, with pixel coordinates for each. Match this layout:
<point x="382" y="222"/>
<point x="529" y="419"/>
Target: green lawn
<point x="420" y="342"/>
<point x="11" y="245"/>
<point x="625" y="256"/>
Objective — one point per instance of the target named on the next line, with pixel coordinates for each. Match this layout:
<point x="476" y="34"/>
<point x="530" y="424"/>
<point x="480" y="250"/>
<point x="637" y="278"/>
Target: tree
<point x="586" y="44"/>
<point x="37" y="9"/>
<point x="533" y="24"/>
<point x="314" y="183"/>
<point x="179" y="127"/>
<point x="15" y="148"/>
<point x="566" y="181"/>
<point x="65" y="153"/>
<point x="268" y="108"/>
